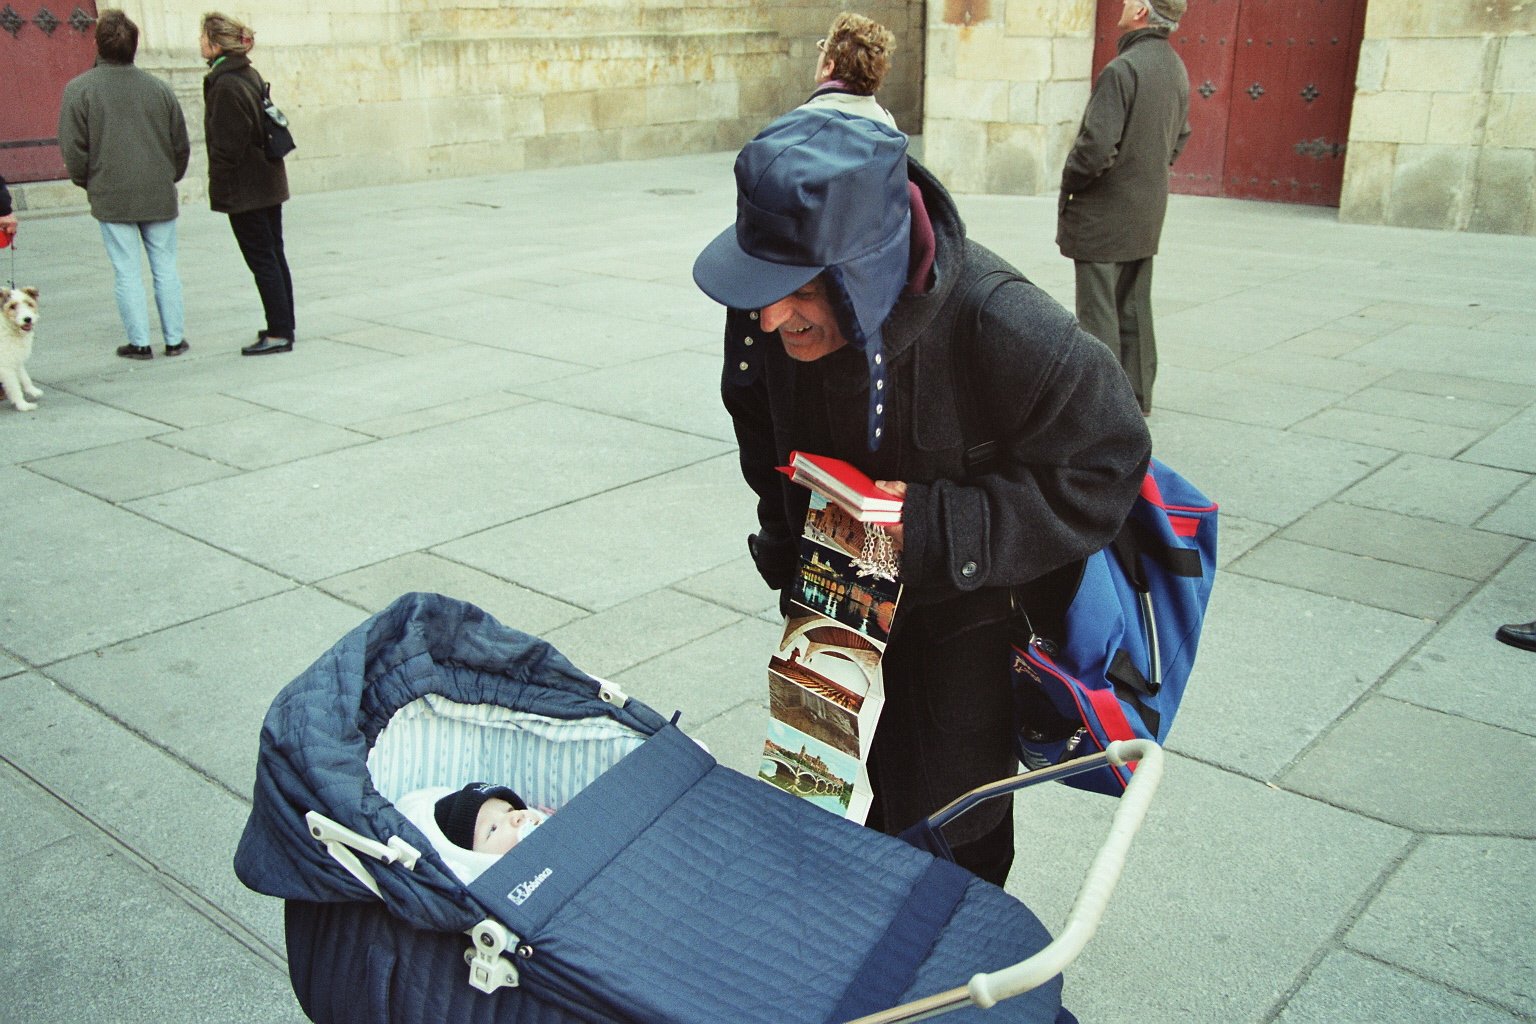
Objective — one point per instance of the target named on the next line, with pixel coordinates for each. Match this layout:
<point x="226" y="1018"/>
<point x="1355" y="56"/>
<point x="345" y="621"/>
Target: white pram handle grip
<point x="986" y="990"/>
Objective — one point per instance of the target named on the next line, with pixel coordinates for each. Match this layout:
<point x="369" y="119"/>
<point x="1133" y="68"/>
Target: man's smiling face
<point x="805" y="322"/>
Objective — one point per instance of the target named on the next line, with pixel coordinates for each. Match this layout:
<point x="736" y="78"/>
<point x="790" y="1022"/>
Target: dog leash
<point x="11" y="282"/>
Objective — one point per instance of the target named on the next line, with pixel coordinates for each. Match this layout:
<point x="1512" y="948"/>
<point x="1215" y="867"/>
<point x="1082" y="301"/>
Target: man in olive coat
<point x="1114" y="187"/>
<point x="124" y="140"/>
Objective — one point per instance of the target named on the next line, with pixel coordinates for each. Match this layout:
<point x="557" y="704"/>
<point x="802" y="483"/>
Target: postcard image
<point x="806" y="767"/>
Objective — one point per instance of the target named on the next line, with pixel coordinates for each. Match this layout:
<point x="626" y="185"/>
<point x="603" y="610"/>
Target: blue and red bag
<point x="1131" y="632"/>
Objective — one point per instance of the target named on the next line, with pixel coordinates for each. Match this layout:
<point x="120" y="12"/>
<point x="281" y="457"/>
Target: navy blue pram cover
<point x="669" y="889"/>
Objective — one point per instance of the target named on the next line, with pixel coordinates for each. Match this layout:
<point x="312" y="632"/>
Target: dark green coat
<point x="1114" y="187"/>
<point x="124" y="140"/>
<point x="240" y="177"/>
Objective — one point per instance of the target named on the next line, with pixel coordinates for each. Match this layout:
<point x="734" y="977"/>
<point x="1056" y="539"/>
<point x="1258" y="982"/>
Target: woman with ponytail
<point x="242" y="181"/>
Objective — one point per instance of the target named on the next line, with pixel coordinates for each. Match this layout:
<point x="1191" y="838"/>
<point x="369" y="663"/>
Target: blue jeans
<point x="159" y="240"/>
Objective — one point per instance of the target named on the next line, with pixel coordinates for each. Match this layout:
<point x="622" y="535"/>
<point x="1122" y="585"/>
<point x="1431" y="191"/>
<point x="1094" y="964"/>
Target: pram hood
<point x="318" y="733"/>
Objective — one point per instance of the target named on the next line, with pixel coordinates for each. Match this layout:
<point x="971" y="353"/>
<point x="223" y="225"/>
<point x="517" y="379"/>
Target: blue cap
<point x="819" y="190"/>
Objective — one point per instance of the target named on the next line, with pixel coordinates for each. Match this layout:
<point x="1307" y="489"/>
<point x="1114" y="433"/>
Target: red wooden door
<point x="1271" y="84"/>
<point x="43" y="44"/>
<point x="1294" y="84"/>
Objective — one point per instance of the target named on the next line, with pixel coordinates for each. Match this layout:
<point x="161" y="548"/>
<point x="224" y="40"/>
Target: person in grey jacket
<point x="242" y="182"/>
<point x="1114" y="187"/>
<point x="124" y="141"/>
<point x="843" y="280"/>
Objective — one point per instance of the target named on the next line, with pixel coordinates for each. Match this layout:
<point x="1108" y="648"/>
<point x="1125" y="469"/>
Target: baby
<point x="471" y="827"/>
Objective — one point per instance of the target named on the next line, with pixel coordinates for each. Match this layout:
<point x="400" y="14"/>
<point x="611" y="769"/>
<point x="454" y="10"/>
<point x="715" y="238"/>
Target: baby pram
<point x="665" y="888"/>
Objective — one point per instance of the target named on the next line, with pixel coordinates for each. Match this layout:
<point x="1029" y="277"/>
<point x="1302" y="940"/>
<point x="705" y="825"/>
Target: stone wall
<point x="1007" y="81"/>
<point x="1444" y="127"/>
<point x="385" y="91"/>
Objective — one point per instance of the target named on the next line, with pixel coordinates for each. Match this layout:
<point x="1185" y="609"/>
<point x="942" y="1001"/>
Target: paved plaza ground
<point x="505" y="390"/>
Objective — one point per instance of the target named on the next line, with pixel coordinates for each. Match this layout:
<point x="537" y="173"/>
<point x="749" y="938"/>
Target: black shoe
<point x="178" y="348"/>
<point x="135" y="352"/>
<point x="1522" y="635"/>
<point x="266" y="344"/>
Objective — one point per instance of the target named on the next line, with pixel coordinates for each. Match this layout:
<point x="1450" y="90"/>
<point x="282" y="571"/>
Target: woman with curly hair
<point x="854" y="59"/>
<point x="242" y="182"/>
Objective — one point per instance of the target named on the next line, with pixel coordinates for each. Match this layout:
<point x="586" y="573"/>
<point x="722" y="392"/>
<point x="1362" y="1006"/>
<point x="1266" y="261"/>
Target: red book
<point x="844" y="483"/>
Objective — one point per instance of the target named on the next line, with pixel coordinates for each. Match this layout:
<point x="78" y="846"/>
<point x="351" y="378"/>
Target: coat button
<point x="968" y="570"/>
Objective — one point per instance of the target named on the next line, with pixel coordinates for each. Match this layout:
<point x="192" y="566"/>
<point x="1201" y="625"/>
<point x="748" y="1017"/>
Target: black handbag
<point x="277" y="140"/>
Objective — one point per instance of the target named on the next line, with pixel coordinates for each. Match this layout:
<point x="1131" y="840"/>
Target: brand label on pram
<point x="520" y="893"/>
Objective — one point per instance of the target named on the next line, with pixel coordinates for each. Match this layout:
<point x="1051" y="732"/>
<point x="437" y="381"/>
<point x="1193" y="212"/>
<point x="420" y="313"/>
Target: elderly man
<point x="1114" y="187"/>
<point x="124" y="141"/>
<point x="843" y="279"/>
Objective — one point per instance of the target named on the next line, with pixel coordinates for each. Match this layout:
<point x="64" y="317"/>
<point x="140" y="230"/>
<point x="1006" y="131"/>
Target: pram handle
<point x="986" y="990"/>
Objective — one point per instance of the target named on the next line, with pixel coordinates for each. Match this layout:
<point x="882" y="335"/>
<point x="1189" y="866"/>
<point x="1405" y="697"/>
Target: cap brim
<point x="735" y="279"/>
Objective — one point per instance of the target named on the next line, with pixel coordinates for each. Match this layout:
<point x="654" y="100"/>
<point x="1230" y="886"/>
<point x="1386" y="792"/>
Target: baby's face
<point x="499" y="826"/>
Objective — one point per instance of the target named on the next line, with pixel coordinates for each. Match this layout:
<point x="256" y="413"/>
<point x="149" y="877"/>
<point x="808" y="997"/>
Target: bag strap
<point x="981" y="454"/>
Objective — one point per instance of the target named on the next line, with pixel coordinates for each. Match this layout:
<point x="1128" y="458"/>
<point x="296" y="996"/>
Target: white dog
<point x="20" y="319"/>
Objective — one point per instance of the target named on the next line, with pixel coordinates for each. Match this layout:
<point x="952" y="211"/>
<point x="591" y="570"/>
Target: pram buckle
<point x="340" y="841"/>
<point x="488" y="968"/>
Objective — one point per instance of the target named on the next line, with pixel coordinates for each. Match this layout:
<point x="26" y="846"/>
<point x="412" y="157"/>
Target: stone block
<point x="1453" y="912"/>
<point x="1371" y="71"/>
<point x="1063" y="103"/>
<point x="980" y="53"/>
<point x="1072" y="58"/>
<point x="1503" y="203"/>
<point x="1013" y="160"/>
<point x="957" y="100"/>
<point x="955" y="150"/>
<point x="619" y="108"/>
<point x="1445" y="65"/>
<point x="1517" y="62"/>
<point x="1024" y="103"/>
<point x="1043" y="18"/>
<point x="1455" y="119"/>
<point x="1511" y="120"/>
<point x="1389" y="117"/>
<point x="1027" y="59"/>
<point x="1430" y="187"/>
<point x="570" y="112"/>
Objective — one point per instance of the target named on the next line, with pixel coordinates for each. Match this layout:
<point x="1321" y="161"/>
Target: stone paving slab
<point x="712" y="675"/>
<point x="106" y="942"/>
<point x="1460" y="911"/>
<point x="1424" y="770"/>
<point x="320" y="517"/>
<point x="1517" y="516"/>
<point x="1435" y="439"/>
<point x="1449" y="410"/>
<point x="70" y="425"/>
<point x="373" y="587"/>
<point x="1276" y="667"/>
<point x="609" y="642"/>
<point x="677" y="390"/>
<point x="1230" y="395"/>
<point x="1347" y="986"/>
<point x="130" y="469"/>
<point x="1288" y="366"/>
<point x="1421" y="593"/>
<point x="1444" y="490"/>
<point x="402" y="384"/>
<point x="81" y="547"/>
<point x="202" y="689"/>
<point x="1512" y="446"/>
<point x="1463" y="671"/>
<point x="1424" y="347"/>
<point x="1296" y="473"/>
<point x="608" y="548"/>
<point x="262" y="439"/>
<point x="1406" y="540"/>
<point x="1230" y="893"/>
<point x="142" y="799"/>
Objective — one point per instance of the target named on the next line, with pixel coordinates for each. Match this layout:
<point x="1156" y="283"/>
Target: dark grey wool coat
<point x="240" y="177"/>
<point x="1114" y="187"/>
